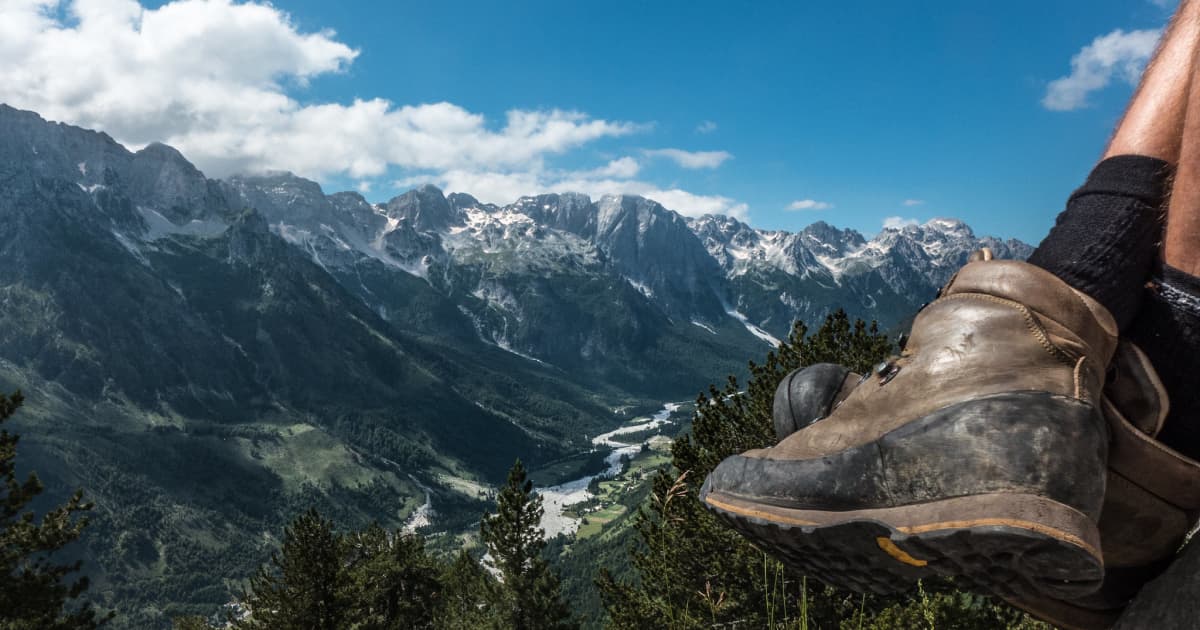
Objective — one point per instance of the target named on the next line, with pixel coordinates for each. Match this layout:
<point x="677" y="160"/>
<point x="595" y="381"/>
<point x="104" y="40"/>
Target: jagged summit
<point x="425" y="208"/>
<point x="706" y="269"/>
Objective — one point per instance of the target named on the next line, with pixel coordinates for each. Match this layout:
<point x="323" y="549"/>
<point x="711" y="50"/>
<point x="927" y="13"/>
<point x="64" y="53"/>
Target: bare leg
<point x="1154" y="121"/>
<point x="1181" y="243"/>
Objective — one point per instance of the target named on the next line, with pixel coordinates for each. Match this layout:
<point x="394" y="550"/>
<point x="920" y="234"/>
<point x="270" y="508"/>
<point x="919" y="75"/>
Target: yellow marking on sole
<point x="921" y="529"/>
<point x="1005" y="522"/>
<point x="892" y="550"/>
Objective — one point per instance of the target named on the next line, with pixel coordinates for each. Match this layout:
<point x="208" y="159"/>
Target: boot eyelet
<point x="887" y="377"/>
<point x="886" y="371"/>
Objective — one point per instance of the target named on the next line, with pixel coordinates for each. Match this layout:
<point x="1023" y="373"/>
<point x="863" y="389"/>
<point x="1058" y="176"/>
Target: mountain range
<point x="208" y="357"/>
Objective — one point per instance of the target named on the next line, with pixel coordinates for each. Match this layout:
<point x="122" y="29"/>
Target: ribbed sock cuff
<point x="1138" y="176"/>
<point x="1104" y="243"/>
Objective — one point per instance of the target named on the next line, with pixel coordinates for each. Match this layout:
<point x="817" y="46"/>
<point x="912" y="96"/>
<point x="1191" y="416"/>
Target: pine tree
<point x="302" y="586"/>
<point x="468" y="596"/>
<point x="35" y="591"/>
<point x="530" y="596"/>
<point x="391" y="582"/>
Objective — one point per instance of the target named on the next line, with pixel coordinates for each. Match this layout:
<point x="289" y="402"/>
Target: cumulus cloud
<point x="210" y="77"/>
<point x="625" y="167"/>
<point x="908" y="203"/>
<point x="1118" y="54"/>
<point x="217" y="78"/>
<point x="895" y="223"/>
<point x="691" y="159"/>
<point x="809" y="204"/>
<point x="504" y="188"/>
<point x="707" y="126"/>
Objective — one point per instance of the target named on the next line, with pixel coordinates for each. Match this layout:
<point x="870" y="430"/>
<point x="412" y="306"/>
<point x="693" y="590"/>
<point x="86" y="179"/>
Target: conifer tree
<point x="302" y="586"/>
<point x="530" y="595"/>
<point x="35" y="591"/>
<point x="391" y="582"/>
<point x="468" y="596"/>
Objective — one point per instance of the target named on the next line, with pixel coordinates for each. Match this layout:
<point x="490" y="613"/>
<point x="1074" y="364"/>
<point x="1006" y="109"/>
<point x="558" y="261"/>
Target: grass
<point x="597" y="520"/>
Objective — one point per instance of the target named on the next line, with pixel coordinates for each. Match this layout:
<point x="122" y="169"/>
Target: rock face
<point x="1170" y="601"/>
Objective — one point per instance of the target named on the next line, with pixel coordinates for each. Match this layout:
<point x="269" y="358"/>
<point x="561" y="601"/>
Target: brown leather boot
<point x="978" y="453"/>
<point x="1152" y="498"/>
<point x="1152" y="501"/>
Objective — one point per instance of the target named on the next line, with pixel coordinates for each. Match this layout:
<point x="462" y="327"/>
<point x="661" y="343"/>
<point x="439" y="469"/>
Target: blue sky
<point x="844" y="110"/>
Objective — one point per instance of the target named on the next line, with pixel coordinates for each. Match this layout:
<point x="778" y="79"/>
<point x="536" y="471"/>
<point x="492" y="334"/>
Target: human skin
<point x="1181" y="239"/>
<point x="1153" y="124"/>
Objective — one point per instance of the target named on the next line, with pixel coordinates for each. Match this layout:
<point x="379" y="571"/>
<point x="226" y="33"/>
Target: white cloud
<point x="898" y="222"/>
<point x="211" y="78"/>
<point x="216" y="79"/>
<point x="625" y="168"/>
<point x="707" y="126"/>
<point x="908" y="203"/>
<point x="507" y="187"/>
<point x="1121" y="54"/>
<point x="809" y="204"/>
<point x="691" y="159"/>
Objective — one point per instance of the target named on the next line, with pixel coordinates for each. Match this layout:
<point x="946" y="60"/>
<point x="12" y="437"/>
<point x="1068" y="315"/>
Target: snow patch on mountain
<point x="754" y="330"/>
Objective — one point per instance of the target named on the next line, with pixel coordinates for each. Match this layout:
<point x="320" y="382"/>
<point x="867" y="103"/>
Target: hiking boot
<point x="1152" y="501"/>
<point x="980" y="452"/>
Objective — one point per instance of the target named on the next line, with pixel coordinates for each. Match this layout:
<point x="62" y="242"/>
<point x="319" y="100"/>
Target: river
<point x="556" y="498"/>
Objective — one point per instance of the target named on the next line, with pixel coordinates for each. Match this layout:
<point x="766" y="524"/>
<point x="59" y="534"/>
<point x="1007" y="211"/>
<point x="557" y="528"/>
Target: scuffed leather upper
<point x="1000" y="326"/>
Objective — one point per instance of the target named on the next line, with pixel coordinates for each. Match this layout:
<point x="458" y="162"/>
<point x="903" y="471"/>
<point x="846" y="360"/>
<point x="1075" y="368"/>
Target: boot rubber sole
<point x="1014" y="545"/>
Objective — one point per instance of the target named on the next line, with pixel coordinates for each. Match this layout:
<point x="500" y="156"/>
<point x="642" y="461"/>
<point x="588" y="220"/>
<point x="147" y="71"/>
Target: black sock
<point x="1168" y="330"/>
<point x="1105" y="242"/>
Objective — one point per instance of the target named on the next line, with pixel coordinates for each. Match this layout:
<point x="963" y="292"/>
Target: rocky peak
<point x="570" y="212"/>
<point x="424" y="208"/>
<point x="160" y="177"/>
<point x="827" y="240"/>
<point x="282" y="198"/>
<point x="656" y="248"/>
<point x="46" y="149"/>
<point x="462" y="201"/>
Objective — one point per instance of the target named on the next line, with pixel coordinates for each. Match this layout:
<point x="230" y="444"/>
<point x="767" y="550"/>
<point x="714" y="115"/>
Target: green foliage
<point x="300" y="587"/>
<point x="694" y="572"/>
<point x="191" y="622"/>
<point x="365" y="580"/>
<point x="390" y="580"/>
<point x="35" y="590"/>
<point x="948" y="609"/>
<point x="468" y="596"/>
<point x="529" y="598"/>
